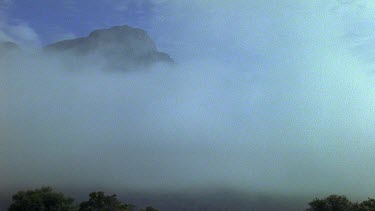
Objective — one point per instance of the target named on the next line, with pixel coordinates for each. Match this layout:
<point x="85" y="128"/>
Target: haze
<point x="271" y="96"/>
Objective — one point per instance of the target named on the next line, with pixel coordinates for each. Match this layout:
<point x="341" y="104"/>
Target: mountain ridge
<point x="118" y="47"/>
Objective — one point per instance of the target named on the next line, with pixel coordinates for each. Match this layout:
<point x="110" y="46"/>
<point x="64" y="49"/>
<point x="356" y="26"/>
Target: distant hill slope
<point x="8" y="47"/>
<point x="121" y="47"/>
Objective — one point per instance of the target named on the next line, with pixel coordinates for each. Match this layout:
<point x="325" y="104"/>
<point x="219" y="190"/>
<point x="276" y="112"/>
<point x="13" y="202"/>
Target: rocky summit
<point x="121" y="47"/>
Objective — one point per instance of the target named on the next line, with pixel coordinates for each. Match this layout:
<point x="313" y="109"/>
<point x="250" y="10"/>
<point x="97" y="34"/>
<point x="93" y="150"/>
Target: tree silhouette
<point x="43" y="199"/>
<point x="99" y="201"/>
<point x="340" y="203"/>
<point x="368" y="205"/>
<point x="148" y="209"/>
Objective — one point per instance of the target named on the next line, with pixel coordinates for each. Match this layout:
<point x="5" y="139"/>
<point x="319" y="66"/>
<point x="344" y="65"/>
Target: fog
<point x="269" y="97"/>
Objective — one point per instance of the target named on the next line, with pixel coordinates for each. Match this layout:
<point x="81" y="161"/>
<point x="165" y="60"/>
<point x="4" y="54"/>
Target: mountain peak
<point x="122" y="47"/>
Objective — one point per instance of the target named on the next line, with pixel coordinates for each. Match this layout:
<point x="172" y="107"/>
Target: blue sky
<point x="54" y="19"/>
<point x="234" y="29"/>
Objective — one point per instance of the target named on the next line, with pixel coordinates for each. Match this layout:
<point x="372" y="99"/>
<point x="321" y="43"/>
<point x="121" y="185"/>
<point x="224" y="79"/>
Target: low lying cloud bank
<point x="292" y="115"/>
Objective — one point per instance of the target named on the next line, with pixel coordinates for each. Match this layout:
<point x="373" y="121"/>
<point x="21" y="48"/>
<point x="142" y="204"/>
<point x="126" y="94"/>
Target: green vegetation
<point x="42" y="199"/>
<point x="340" y="203"/>
<point x="45" y="199"/>
<point x="99" y="201"/>
<point x="148" y="209"/>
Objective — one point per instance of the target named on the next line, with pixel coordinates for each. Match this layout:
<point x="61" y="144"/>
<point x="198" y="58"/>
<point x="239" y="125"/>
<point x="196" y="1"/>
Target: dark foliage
<point x="340" y="203"/>
<point x="148" y="209"/>
<point x="43" y="199"/>
<point x="99" y="201"/>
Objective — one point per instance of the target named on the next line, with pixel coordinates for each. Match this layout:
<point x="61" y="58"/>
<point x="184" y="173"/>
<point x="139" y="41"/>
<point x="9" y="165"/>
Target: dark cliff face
<point x="121" y="47"/>
<point x="9" y="50"/>
<point x="7" y="47"/>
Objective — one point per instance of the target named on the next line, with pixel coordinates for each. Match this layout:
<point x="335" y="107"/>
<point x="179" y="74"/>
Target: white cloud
<point x="5" y="38"/>
<point x="17" y="31"/>
<point x="23" y="32"/>
<point x="300" y="109"/>
<point x="20" y="33"/>
<point x="358" y="27"/>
